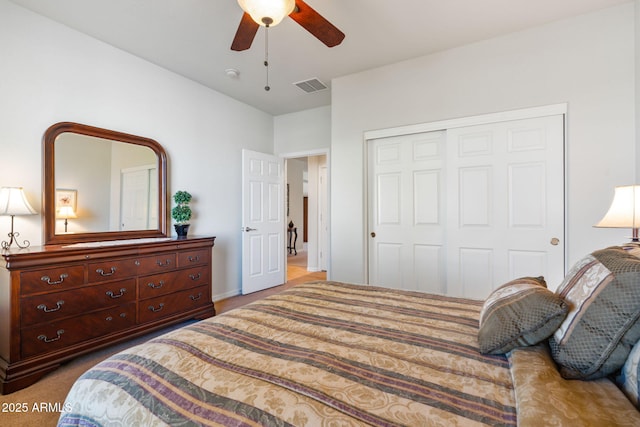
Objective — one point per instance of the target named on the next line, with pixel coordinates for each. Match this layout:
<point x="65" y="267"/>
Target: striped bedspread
<point x="322" y="353"/>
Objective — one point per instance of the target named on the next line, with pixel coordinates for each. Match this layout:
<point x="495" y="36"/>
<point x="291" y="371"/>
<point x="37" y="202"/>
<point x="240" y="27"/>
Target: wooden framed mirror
<point x="101" y="184"/>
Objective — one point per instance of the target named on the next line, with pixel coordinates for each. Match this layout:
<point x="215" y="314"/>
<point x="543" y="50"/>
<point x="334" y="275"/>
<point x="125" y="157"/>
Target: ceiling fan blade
<point x="246" y="33"/>
<point x="317" y="25"/>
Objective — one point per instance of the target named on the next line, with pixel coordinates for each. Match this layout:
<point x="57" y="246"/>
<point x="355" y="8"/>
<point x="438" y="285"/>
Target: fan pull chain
<point x="266" y="56"/>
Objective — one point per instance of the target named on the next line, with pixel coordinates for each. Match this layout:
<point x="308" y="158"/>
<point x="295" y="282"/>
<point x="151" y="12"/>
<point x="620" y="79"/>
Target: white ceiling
<point x="192" y="37"/>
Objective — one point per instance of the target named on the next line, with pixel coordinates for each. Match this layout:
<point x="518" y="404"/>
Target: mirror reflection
<point x="104" y="185"/>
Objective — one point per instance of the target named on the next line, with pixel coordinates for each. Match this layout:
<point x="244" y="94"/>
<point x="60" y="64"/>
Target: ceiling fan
<point x="269" y="13"/>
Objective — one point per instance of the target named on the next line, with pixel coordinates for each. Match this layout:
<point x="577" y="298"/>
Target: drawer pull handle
<point x="154" y="286"/>
<point x="154" y="309"/>
<point x="196" y="297"/>
<point x="45" y="339"/>
<point x="49" y="310"/>
<point x="110" y="273"/>
<point x="194" y="258"/>
<point x="194" y="276"/>
<point x="112" y="295"/>
<point x="166" y="263"/>
<point x="54" y="282"/>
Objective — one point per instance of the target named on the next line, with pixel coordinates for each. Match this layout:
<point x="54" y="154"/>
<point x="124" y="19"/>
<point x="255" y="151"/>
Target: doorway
<point x="306" y="215"/>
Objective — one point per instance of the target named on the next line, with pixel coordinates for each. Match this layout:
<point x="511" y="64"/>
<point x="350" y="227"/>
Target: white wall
<point x="586" y="61"/>
<point x="50" y="73"/>
<point x="304" y="131"/>
<point x="92" y="181"/>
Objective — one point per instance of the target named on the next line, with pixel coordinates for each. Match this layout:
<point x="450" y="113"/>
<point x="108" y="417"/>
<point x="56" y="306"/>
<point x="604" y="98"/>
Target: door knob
<point x="555" y="241"/>
<point x="247" y="229"/>
<point x="373" y="234"/>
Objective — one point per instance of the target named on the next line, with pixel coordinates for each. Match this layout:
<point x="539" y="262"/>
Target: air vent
<point x="311" y="85"/>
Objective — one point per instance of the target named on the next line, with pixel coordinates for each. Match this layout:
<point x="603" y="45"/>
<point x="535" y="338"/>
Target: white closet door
<point x="505" y="209"/>
<point x="406" y="249"/>
<point x="463" y="211"/>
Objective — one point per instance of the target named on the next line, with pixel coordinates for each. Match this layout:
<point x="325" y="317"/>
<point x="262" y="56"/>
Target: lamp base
<point x="13" y="238"/>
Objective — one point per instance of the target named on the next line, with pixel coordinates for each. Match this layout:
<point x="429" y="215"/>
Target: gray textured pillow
<point x="520" y="313"/>
<point x="603" y="291"/>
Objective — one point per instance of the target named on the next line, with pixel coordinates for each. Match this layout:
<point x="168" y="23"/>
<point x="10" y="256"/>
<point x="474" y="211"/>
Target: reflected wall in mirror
<point x="117" y="183"/>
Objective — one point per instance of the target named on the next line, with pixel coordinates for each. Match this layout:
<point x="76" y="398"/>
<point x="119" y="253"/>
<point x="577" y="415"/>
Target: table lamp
<point x="14" y="202"/>
<point x="66" y="212"/>
<point x="624" y="211"/>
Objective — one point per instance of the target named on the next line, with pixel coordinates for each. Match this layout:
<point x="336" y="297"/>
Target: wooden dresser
<point x="58" y="302"/>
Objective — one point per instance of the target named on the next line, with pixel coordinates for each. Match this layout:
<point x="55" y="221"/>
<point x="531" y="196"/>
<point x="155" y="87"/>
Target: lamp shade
<point x="65" y="212"/>
<point x="267" y="12"/>
<point x="624" y="211"/>
<point x="13" y="201"/>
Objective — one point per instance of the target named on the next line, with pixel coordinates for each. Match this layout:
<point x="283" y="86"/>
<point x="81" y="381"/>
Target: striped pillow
<point x="603" y="291"/>
<point x="520" y="313"/>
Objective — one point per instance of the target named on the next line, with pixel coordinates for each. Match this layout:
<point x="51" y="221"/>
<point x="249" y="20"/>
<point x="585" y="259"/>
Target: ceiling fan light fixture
<point x="267" y="12"/>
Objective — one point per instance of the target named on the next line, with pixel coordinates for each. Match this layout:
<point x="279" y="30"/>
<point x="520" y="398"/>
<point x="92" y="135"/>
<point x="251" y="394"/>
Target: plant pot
<point x="181" y="230"/>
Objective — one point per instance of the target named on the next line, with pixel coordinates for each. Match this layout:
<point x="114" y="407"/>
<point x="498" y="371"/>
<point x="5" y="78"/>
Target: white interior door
<point x="138" y="197"/>
<point x="263" y="245"/>
<point x="407" y="219"/>
<point x="507" y="219"/>
<point x="463" y="211"/>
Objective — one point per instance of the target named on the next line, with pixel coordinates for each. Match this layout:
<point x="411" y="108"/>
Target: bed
<point x="327" y="353"/>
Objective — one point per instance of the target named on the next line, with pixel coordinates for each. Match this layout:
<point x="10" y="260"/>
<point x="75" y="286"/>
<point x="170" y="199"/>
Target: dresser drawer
<point x="165" y="283"/>
<point x="112" y="269"/>
<point x="51" y="279"/>
<point x="57" y="335"/>
<point x="166" y="305"/>
<point x="157" y="263"/>
<point x="191" y="258"/>
<point x="53" y="306"/>
<point x="194" y="276"/>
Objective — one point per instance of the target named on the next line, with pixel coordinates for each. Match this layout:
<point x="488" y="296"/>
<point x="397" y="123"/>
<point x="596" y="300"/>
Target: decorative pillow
<point x="603" y="291"/>
<point x="520" y="313"/>
<point x="628" y="378"/>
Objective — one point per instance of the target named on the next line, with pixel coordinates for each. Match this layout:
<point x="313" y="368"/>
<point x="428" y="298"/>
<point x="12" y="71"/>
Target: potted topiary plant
<point x="181" y="213"/>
